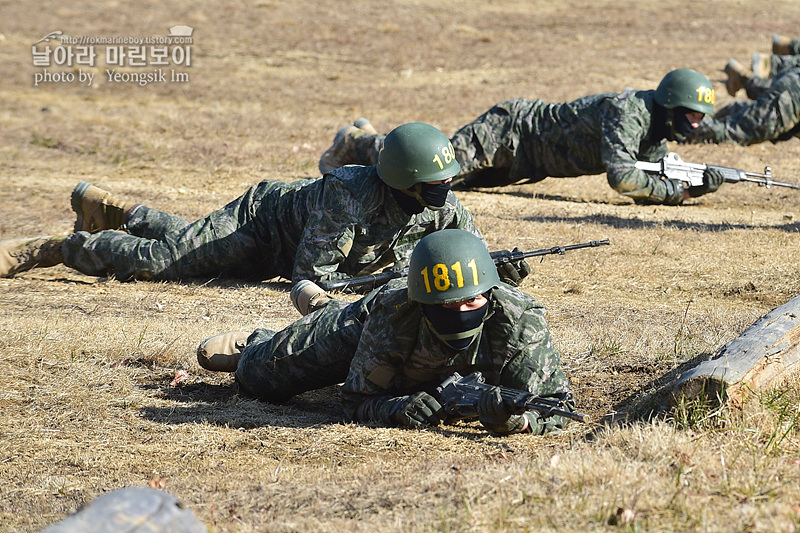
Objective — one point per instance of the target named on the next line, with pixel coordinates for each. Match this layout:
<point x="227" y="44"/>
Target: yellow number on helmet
<point x="441" y="277"/>
<point x="472" y="266"/>
<point x="459" y="274"/>
<point x="427" y="281"/>
<point x="707" y="95"/>
<point x="448" y="152"/>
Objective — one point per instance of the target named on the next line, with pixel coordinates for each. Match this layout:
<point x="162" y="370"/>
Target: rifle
<point x="459" y="396"/>
<point x="673" y="167"/>
<point x="500" y="257"/>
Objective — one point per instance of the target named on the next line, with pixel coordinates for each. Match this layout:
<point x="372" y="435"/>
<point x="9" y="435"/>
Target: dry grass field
<point x="88" y="403"/>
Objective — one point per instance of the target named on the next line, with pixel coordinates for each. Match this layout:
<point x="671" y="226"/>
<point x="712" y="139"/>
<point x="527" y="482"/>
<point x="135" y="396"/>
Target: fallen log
<point x="760" y="358"/>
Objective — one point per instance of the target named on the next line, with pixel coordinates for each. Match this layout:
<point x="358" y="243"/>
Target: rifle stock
<point x="499" y="257"/>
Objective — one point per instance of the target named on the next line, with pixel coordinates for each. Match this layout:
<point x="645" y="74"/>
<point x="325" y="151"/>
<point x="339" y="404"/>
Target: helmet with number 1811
<point x="416" y="153"/>
<point x="450" y="265"/>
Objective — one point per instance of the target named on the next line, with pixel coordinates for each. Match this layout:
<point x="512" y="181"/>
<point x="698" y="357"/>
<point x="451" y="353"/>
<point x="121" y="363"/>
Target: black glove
<point x="513" y="273"/>
<point x="712" y="179"/>
<point x="495" y="416"/>
<point x="417" y="410"/>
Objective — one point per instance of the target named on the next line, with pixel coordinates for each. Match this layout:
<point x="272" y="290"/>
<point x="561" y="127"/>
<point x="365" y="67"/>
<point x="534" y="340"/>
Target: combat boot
<point x="781" y="45"/>
<point x="737" y="76"/>
<point x="20" y="255"/>
<point x="762" y="65"/>
<point x="221" y="353"/>
<point x="97" y="209"/>
<point x="307" y="297"/>
<point x="366" y="125"/>
<point x="342" y="152"/>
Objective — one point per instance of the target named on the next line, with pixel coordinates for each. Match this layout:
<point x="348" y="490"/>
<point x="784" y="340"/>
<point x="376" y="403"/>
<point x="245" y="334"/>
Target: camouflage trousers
<point x="756" y="86"/>
<point x="312" y="353"/>
<point x="774" y="114"/>
<point x="486" y="148"/>
<point x="794" y="47"/>
<point x="158" y="246"/>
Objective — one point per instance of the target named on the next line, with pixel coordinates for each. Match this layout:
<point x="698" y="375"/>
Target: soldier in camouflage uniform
<point x="773" y="115"/>
<point x="783" y="45"/>
<point x="390" y="347"/>
<point x="773" y="85"/>
<point x="530" y="140"/>
<point x="352" y="221"/>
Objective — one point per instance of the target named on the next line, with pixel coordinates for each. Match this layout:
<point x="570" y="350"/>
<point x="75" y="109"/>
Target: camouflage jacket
<point x="599" y="133"/>
<point x="591" y="135"/>
<point x="346" y="223"/>
<point x="397" y="352"/>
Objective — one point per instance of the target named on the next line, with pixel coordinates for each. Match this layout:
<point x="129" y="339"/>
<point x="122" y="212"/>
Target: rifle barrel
<point x="555" y="250"/>
<point x="498" y="257"/>
<point x="552" y="407"/>
<point x="769" y="183"/>
<point x="578" y="417"/>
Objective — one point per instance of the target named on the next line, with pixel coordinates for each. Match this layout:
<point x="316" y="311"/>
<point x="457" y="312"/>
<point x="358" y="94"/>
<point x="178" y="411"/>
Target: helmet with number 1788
<point x="450" y="265"/>
<point x="686" y="88"/>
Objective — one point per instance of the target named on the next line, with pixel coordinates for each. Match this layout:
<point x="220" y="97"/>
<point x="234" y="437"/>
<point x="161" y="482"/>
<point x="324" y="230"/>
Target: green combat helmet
<point x="686" y="88"/>
<point x="416" y="153"/>
<point x="450" y="265"/>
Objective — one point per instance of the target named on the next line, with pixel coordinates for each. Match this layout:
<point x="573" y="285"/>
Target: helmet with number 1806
<point x="416" y="153"/>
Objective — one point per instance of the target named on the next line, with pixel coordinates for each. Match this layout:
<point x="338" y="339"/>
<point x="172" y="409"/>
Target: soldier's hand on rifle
<point x="495" y="416"/>
<point x="513" y="272"/>
<point x="712" y="179"/>
<point x="417" y="410"/>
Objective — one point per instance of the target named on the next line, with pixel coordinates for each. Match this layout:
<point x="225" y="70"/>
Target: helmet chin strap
<point x="670" y="123"/>
<point x="456" y="328"/>
<point x="414" y="192"/>
<point x="460" y="340"/>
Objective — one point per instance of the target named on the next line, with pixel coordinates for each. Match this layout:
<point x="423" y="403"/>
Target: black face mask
<point x="681" y="126"/>
<point x="659" y="129"/>
<point x="408" y="204"/>
<point x="434" y="196"/>
<point x="671" y="124"/>
<point x="415" y="199"/>
<point x="455" y="328"/>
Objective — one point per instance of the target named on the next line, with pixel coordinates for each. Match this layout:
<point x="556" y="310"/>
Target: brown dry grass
<point x="87" y="405"/>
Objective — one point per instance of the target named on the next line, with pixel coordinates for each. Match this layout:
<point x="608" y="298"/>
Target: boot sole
<point x="77" y="203"/>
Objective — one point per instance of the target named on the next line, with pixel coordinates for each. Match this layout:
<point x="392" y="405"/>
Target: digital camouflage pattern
<point x="389" y="350"/>
<point x="311" y="353"/>
<point x="777" y="64"/>
<point x="344" y="224"/>
<point x="773" y="116"/>
<point x="524" y="139"/>
<point x="514" y="349"/>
